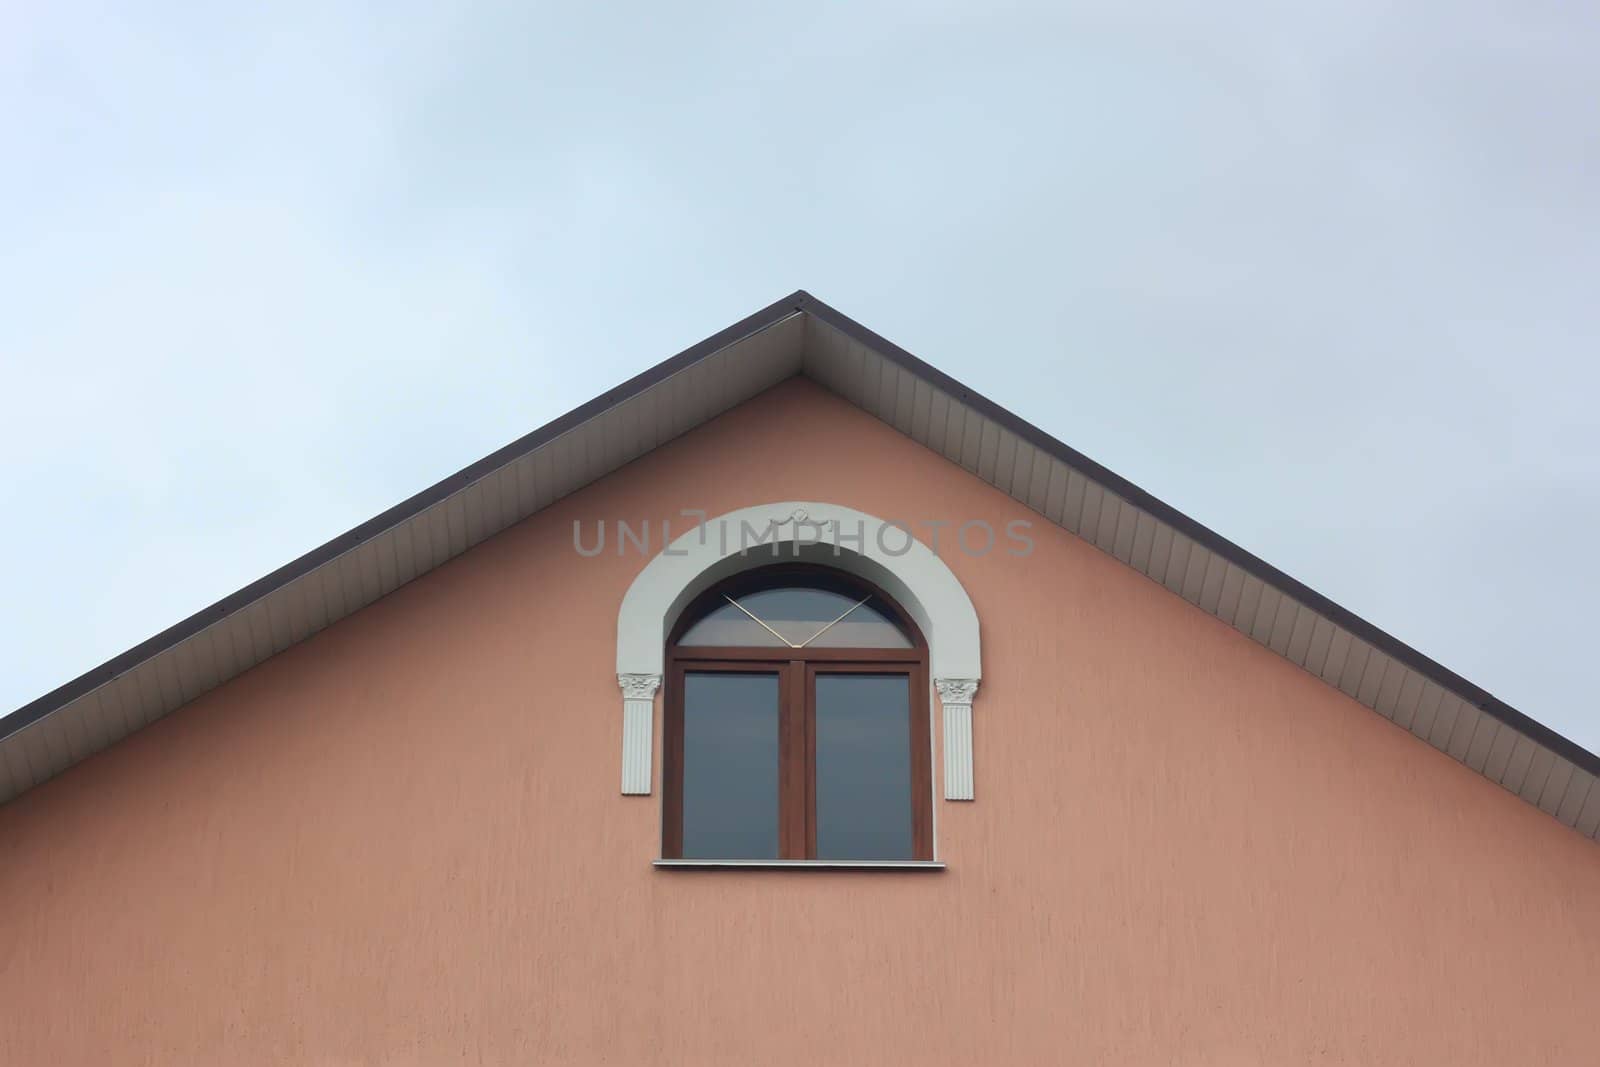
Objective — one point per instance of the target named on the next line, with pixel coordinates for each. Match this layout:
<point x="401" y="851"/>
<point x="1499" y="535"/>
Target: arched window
<point x="797" y="723"/>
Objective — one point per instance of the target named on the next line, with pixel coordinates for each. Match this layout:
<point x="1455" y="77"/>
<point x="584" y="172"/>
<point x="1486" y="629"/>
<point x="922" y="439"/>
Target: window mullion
<point x="809" y="702"/>
<point x="793" y="774"/>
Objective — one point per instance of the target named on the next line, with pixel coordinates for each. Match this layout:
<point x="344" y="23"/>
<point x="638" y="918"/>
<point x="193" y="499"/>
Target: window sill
<point x="801" y="865"/>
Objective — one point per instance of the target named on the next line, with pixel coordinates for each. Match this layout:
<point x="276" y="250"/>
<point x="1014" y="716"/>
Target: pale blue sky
<point x="1322" y="280"/>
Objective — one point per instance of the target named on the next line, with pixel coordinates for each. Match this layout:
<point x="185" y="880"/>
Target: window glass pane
<point x="863" y="724"/>
<point x="868" y="626"/>
<point x="796" y="616"/>
<point x="728" y="627"/>
<point x="730" y="766"/>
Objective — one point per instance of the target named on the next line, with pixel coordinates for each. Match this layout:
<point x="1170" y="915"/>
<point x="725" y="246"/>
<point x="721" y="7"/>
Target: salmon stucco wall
<point x="402" y="841"/>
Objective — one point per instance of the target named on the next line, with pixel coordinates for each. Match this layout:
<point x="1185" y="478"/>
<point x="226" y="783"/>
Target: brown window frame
<point x="797" y="670"/>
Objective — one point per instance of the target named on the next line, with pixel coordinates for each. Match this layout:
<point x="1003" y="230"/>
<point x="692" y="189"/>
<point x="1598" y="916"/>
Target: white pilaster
<point x="955" y="695"/>
<point x="638" y="721"/>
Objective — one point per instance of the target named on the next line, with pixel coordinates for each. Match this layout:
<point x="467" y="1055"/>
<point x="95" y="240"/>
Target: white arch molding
<point x="884" y="553"/>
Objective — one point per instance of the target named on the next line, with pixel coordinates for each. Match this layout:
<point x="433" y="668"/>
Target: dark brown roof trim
<point x="1248" y="562"/>
<point x="767" y="316"/>
<point x="63" y="695"/>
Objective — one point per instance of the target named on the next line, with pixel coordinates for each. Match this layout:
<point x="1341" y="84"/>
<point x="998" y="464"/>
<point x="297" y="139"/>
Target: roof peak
<point x="832" y="349"/>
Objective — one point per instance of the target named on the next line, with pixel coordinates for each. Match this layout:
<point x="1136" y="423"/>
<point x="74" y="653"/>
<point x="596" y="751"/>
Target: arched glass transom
<point x="811" y="609"/>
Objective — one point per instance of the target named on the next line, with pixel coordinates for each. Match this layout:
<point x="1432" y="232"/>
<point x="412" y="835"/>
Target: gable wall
<point x="402" y="841"/>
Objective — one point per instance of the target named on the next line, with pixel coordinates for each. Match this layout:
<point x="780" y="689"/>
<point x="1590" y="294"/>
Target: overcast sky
<point x="1324" y="281"/>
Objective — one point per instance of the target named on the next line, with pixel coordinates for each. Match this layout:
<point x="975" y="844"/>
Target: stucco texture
<point x="402" y="841"/>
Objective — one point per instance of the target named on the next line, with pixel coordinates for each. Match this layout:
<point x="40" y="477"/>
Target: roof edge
<point x="92" y="679"/>
<point x="801" y="301"/>
<point x="1252" y="564"/>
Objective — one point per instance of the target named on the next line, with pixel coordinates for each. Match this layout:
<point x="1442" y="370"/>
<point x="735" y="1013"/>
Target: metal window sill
<point x="801" y="865"/>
